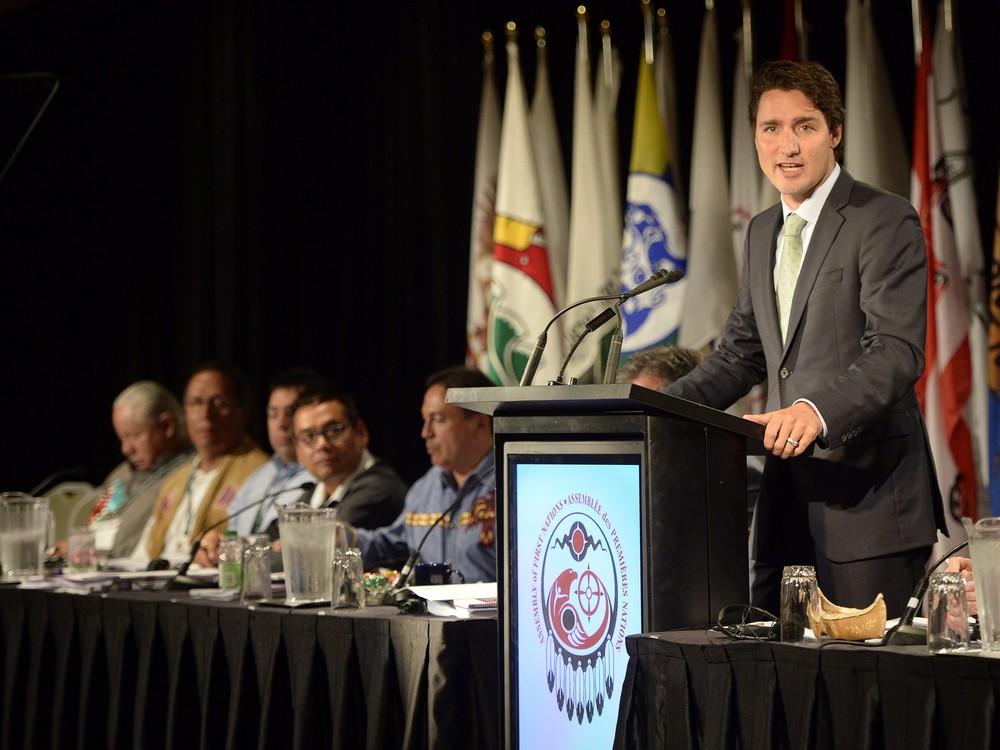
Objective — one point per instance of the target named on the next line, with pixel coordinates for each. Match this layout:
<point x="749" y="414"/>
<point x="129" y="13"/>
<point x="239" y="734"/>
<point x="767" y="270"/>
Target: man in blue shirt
<point x="450" y="510"/>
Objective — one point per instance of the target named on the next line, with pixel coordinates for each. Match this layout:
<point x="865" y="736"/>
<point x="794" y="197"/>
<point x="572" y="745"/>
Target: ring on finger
<point x="793" y="441"/>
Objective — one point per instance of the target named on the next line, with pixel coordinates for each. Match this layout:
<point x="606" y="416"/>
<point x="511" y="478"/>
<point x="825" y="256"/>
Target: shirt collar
<point x="813" y="205"/>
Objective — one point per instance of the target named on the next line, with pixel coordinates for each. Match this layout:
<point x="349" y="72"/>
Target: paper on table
<point x="455" y="591"/>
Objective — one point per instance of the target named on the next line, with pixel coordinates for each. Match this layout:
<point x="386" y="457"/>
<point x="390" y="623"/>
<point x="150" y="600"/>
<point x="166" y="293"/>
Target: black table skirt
<point x="699" y="689"/>
<point x="161" y="670"/>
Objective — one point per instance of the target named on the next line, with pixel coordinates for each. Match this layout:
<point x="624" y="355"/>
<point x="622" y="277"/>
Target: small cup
<point x="255" y="583"/>
<point x="799" y="597"/>
<point x="348" y="579"/>
<point x="82" y="550"/>
<point x="947" y="614"/>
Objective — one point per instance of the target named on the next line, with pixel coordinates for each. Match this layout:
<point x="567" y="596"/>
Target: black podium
<point x="619" y="510"/>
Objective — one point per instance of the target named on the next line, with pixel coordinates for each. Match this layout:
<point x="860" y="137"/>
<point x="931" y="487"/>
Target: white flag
<point x="711" y="273"/>
<point x="551" y="175"/>
<point x="589" y="271"/>
<point x="483" y="213"/>
<point x="874" y="149"/>
<point x="521" y="294"/>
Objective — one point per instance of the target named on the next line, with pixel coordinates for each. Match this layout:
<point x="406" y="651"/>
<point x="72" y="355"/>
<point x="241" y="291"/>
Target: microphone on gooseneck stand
<point x="181" y="580"/>
<point x="661" y="277"/>
<point x="49" y="482"/>
<point x="905" y="633"/>
<point x="536" y="353"/>
<point x="406" y="572"/>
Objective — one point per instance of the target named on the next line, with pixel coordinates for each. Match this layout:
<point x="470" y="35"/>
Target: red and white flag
<point x="945" y="385"/>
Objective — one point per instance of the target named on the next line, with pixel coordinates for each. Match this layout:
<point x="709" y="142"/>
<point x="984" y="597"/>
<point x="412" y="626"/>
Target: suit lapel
<point x="826" y="230"/>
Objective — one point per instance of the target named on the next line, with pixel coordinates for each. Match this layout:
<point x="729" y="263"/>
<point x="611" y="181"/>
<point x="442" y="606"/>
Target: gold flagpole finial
<point x="540" y="36"/>
<point x="510" y="31"/>
<point x="581" y="13"/>
<point x="487" y="40"/>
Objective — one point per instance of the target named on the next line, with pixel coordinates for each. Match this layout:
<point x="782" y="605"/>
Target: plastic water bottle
<point x="230" y="561"/>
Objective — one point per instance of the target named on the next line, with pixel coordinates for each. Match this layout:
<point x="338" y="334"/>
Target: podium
<point x="620" y="510"/>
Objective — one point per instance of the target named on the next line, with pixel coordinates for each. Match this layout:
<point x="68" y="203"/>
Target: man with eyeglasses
<point x="197" y="495"/>
<point x="277" y="482"/>
<point x="331" y="441"/>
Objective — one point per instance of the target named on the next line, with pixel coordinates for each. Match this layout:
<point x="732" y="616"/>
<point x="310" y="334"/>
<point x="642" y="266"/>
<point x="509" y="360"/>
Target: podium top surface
<point x="622" y="398"/>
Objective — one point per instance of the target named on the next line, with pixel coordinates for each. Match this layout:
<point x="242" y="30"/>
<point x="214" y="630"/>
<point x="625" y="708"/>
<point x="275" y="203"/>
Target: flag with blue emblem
<point x="653" y="237"/>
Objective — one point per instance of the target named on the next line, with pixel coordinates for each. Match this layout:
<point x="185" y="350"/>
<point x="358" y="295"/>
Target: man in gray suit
<point x="838" y="334"/>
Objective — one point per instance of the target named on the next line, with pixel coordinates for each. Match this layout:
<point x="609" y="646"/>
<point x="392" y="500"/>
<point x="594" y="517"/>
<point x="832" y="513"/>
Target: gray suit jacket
<point x="855" y="349"/>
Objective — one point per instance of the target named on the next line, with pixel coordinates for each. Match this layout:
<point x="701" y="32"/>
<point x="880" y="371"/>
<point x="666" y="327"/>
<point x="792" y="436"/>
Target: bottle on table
<point x="230" y="560"/>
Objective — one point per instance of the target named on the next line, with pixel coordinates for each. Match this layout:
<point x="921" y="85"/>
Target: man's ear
<point x="169" y="425"/>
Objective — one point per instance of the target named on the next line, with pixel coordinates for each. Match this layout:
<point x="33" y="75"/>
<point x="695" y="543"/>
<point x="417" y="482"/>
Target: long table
<point x="162" y="670"/>
<point x="700" y="689"/>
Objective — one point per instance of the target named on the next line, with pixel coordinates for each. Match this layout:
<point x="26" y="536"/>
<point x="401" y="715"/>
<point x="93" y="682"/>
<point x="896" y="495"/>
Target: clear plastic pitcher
<point x="27" y="528"/>
<point x="308" y="539"/>
<point x="984" y="549"/>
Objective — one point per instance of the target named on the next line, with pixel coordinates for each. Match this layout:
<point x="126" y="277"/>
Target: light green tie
<point x="788" y="273"/>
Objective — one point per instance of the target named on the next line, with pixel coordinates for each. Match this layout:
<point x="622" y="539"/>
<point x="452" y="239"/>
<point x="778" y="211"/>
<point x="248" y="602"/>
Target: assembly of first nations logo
<point x="578" y="584"/>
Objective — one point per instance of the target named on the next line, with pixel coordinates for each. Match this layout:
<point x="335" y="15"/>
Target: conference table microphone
<point x="661" y="277"/>
<point x="74" y="472"/>
<point x="406" y="572"/>
<point x="182" y="581"/>
<point x="905" y="633"/>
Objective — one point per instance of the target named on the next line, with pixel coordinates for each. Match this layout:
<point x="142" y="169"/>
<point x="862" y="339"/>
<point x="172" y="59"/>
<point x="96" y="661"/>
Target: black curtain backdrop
<point x="289" y="183"/>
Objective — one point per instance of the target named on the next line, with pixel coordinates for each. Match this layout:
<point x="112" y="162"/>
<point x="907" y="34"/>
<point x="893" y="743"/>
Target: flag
<point x="653" y="237"/>
<point x="744" y="180"/>
<point x="874" y="151"/>
<point x="949" y="85"/>
<point x="792" y="42"/>
<point x="607" y="82"/>
<point x="744" y="171"/>
<point x="522" y="299"/>
<point x="592" y="268"/>
<point x="551" y="170"/>
<point x="483" y="212"/>
<point x="945" y="384"/>
<point x="711" y="268"/>
<point x="994" y="367"/>
<point x="666" y="99"/>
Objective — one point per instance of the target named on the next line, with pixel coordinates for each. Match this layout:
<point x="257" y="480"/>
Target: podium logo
<point x="579" y="589"/>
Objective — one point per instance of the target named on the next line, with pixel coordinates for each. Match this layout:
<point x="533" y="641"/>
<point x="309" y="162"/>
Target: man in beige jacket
<point x="196" y="495"/>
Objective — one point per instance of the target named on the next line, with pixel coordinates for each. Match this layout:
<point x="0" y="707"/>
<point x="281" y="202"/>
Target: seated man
<point x="659" y="366"/>
<point x="450" y="510"/>
<point x="332" y="442"/>
<point x="149" y="422"/>
<point x="196" y="496"/>
<point x="280" y="480"/>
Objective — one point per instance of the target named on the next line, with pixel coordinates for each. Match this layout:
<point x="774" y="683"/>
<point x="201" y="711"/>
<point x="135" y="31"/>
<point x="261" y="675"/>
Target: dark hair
<point x="813" y="80"/>
<point x="459" y="376"/>
<point x="301" y="378"/>
<point x="324" y="393"/>
<point x="669" y="363"/>
<point x="238" y="381"/>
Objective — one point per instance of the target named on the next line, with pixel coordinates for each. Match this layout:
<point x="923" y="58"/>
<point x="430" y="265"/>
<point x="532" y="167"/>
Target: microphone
<point x="406" y="572"/>
<point x="661" y="277"/>
<point x="182" y="569"/>
<point x="51" y="479"/>
<point x="905" y="633"/>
